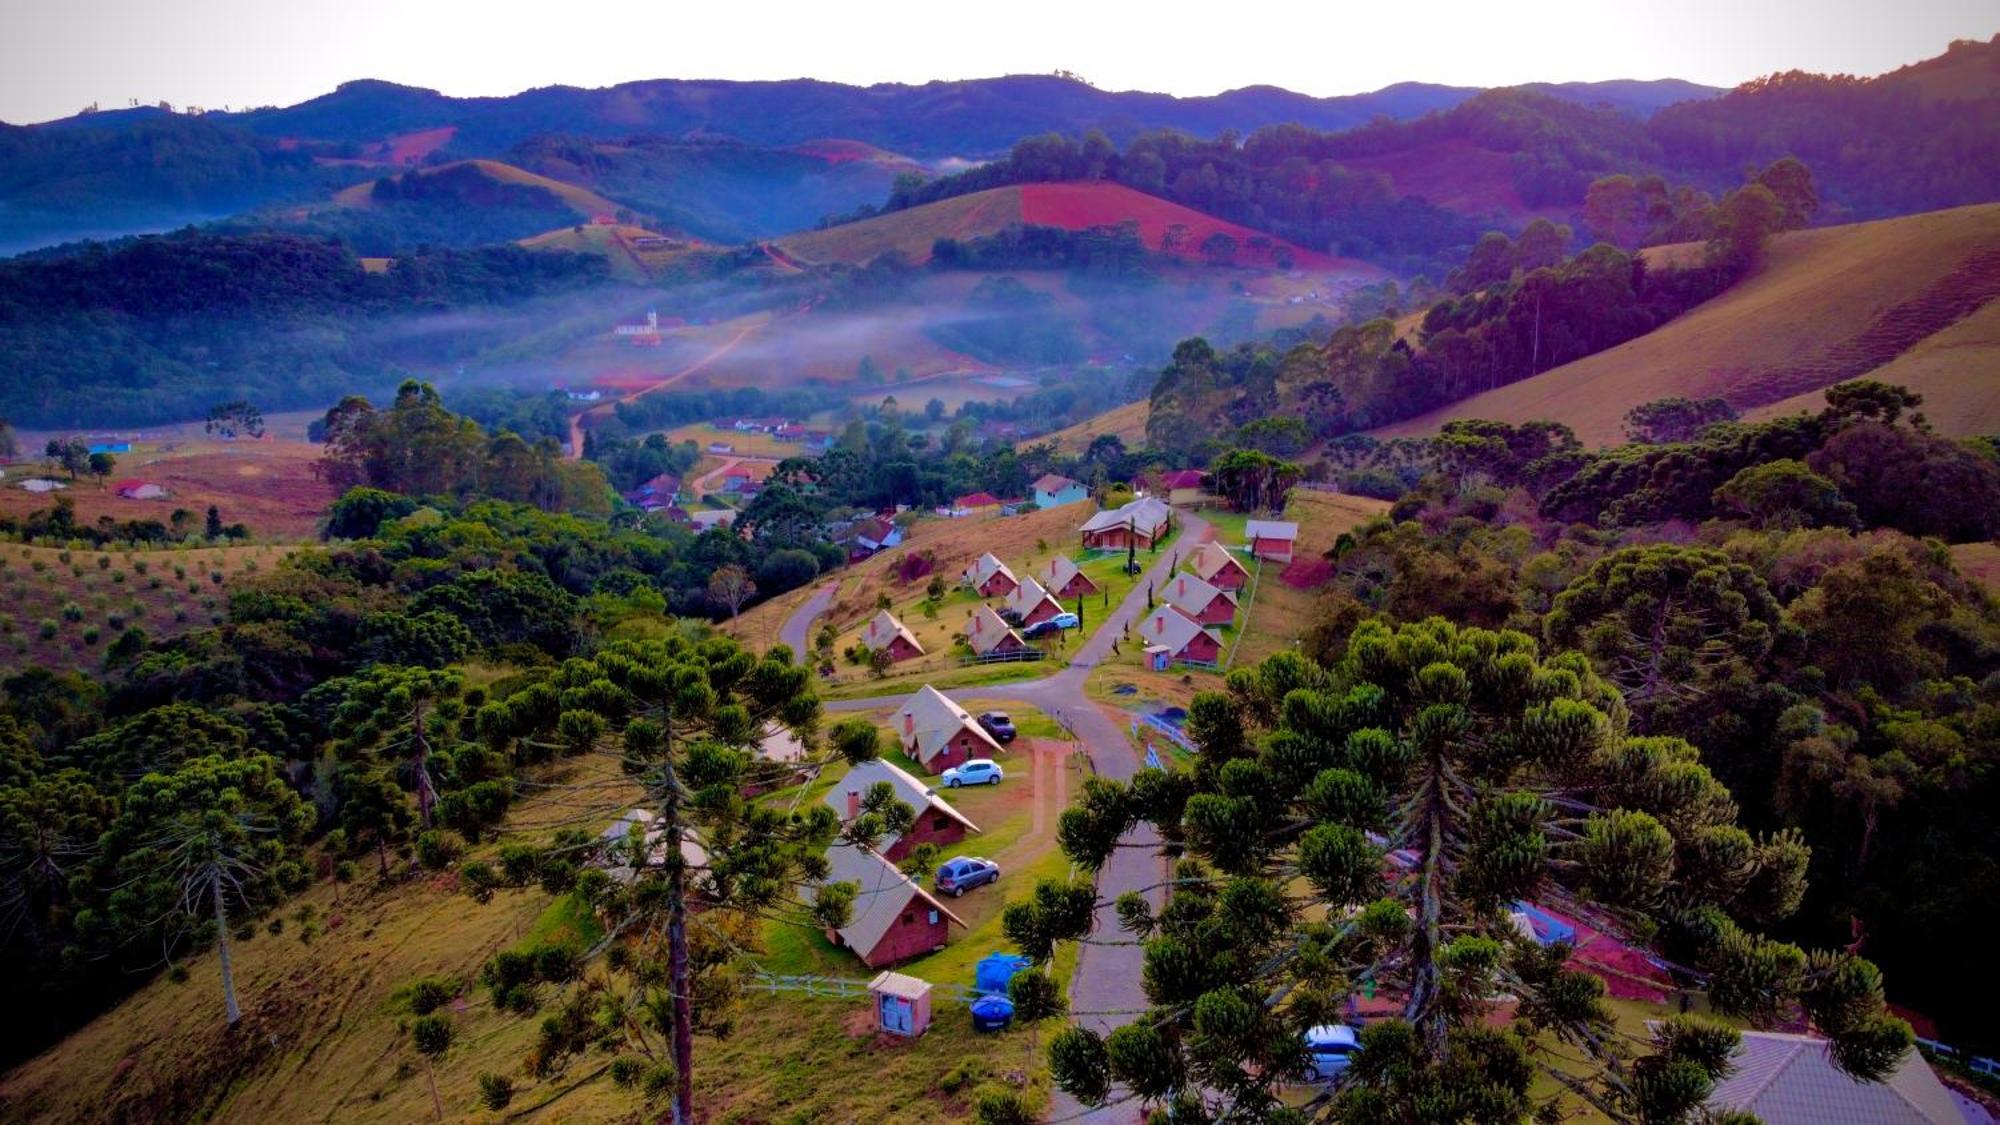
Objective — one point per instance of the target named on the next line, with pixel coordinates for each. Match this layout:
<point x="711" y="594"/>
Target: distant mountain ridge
<point x="936" y="119"/>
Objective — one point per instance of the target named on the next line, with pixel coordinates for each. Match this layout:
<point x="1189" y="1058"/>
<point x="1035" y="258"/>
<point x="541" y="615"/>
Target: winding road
<point x="1108" y="977"/>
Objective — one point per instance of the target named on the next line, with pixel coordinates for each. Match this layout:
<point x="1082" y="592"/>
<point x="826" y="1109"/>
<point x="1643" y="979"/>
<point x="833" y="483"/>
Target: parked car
<point x="962" y="873"/>
<point x="1041" y="629"/>
<point x="998" y="725"/>
<point x="975" y="771"/>
<point x="1331" y="1049"/>
<point x="1067" y="621"/>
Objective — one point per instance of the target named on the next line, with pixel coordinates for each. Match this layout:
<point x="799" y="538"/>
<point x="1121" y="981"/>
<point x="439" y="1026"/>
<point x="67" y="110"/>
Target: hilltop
<point x="1908" y="300"/>
<point x="1066" y="206"/>
<point x="472" y="183"/>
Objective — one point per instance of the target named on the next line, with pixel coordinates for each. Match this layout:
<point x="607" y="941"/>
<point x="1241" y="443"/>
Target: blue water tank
<point x="995" y="970"/>
<point x="992" y="1013"/>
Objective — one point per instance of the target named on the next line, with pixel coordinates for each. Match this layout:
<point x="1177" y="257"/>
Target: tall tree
<point x="206" y="849"/>
<point x="679" y="719"/>
<point x="1478" y="775"/>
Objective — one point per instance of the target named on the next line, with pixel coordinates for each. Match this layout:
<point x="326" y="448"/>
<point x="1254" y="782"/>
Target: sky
<point x="57" y="56"/>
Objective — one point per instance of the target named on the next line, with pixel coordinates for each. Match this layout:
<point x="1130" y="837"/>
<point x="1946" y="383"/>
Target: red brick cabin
<point x="1199" y="600"/>
<point x="1218" y="567"/>
<point x="1184" y="639"/>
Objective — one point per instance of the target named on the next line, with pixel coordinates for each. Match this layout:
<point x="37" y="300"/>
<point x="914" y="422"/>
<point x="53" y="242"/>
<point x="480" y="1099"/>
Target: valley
<point x="737" y="601"/>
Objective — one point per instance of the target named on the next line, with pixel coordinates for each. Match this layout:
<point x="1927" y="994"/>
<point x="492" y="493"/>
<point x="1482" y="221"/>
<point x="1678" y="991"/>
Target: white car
<point x="1331" y="1048"/>
<point x="975" y="771"/>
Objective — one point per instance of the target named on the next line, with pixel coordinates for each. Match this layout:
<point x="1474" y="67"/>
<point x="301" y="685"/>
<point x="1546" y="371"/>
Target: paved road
<point x="796" y="632"/>
<point x="1108" y="977"/>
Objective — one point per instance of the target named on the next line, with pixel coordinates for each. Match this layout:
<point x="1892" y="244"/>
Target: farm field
<point x="1957" y="371"/>
<point x="267" y="485"/>
<point x="62" y="608"/>
<point x="1830" y="304"/>
<point x="751" y="444"/>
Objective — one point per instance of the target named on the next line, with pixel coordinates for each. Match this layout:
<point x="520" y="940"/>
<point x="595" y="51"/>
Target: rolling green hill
<point x="1909" y="300"/>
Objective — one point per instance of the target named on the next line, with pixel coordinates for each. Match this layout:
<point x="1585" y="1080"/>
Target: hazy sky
<point x="59" y="55"/>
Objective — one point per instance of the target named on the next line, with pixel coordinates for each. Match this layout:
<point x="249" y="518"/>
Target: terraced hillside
<point x="1906" y="298"/>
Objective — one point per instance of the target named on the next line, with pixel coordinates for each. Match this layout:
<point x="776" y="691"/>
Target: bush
<point x="997" y="1105"/>
<point x="661" y="1079"/>
<point x="72" y="612"/>
<point x="518" y="863"/>
<point x="626" y="1070"/>
<point x="90" y="635"/>
<point x="47" y="629"/>
<point x="428" y="994"/>
<point x="437" y="849"/>
<point x="556" y="964"/>
<point x="495" y="1091"/>
<point x="478" y="880"/>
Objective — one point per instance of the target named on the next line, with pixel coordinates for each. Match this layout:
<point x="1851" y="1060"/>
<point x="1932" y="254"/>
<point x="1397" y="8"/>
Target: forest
<point x="164" y="326"/>
<point x="1879" y="147"/>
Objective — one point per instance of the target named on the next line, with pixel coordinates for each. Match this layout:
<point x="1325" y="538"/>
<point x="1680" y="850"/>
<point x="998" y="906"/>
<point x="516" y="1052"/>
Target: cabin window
<point x="934" y="917"/>
<point x="906" y="919"/>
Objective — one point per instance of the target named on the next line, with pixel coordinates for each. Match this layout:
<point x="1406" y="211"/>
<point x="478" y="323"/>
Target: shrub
<point x="495" y="1091"/>
<point x="997" y="1105"/>
<point x="437" y="849"/>
<point x="661" y="1079"/>
<point x="428" y="994"/>
<point x="90" y="635"/>
<point x="48" y="629"/>
<point x="626" y="1070"/>
<point x="72" y="612"/>
<point x="431" y="1035"/>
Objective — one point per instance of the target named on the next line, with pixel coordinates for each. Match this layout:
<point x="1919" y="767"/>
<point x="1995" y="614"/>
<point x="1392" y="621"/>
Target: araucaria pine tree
<point x="661" y="735"/>
<point x="1368" y="828"/>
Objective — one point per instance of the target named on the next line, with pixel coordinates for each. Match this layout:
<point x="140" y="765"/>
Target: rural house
<point x="1183" y="486"/>
<point x="1065" y="579"/>
<point x="140" y="490"/>
<point x="975" y="504"/>
<point x="877" y="534"/>
<point x="894" y="918"/>
<point x="940" y="734"/>
<point x="1271" y="540"/>
<point x="991" y="637"/>
<point x="1054" y="490"/>
<point x="1141" y="522"/>
<point x="989" y="577"/>
<point x="1184" y="640"/>
<point x="657" y="494"/>
<point x="1030" y="604"/>
<point x="937" y="822"/>
<point x="886" y="634"/>
<point x="1199" y="600"/>
<point x="1792" y="1080"/>
<point x="614" y="847"/>
<point x="1218" y="567"/>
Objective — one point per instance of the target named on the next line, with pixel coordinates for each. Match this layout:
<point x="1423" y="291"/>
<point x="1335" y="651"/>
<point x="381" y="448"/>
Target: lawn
<point x="1017" y="823"/>
<point x="1278" y="611"/>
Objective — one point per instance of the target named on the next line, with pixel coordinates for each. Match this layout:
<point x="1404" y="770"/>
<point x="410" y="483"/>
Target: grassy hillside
<point x="1829" y="304"/>
<point x="1127" y="423"/>
<point x="1956" y="370"/>
<point x="909" y="233"/>
<point x="1070" y="206"/>
<point x="616" y="243"/>
<point x="584" y="202"/>
<point x="324" y="1034"/>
